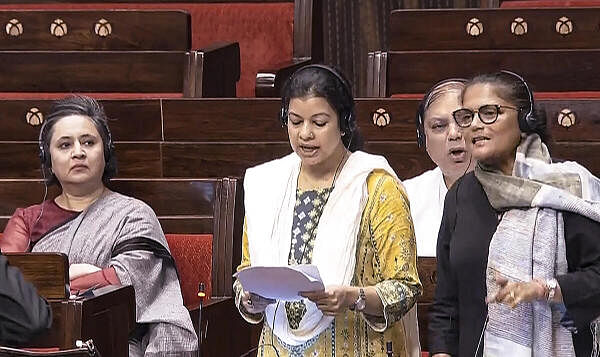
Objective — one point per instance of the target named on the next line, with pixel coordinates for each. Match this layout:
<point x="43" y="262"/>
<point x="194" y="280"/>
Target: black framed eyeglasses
<point x="487" y="114"/>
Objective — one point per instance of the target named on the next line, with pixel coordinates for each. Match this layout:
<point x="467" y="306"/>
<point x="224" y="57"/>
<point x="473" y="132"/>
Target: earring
<point x="343" y="133"/>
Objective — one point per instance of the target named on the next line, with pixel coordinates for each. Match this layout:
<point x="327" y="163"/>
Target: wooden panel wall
<point x="446" y="29"/>
<point x="223" y="137"/>
<point x="545" y="70"/>
<point x="130" y="30"/>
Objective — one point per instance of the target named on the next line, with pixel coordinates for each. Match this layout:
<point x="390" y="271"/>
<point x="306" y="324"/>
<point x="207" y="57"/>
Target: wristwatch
<point x="361" y="302"/>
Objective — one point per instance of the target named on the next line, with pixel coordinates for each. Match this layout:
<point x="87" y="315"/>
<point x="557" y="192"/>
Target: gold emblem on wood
<point x="14" y="28"/>
<point x="518" y="27"/>
<point x="381" y="118"/>
<point x="34" y="117"/>
<point x="103" y="28"/>
<point x="474" y="27"/>
<point x="564" y="26"/>
<point x="566" y="118"/>
<point x="58" y="28"/>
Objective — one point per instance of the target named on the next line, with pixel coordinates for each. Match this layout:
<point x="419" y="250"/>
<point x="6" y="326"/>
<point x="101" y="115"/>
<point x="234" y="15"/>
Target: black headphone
<point x="527" y="122"/>
<point x="46" y="159"/>
<point x="420" y="119"/>
<point x="347" y="119"/>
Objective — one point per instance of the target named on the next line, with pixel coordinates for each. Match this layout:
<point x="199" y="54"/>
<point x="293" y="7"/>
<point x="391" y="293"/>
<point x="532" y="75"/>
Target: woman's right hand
<point x="255" y="304"/>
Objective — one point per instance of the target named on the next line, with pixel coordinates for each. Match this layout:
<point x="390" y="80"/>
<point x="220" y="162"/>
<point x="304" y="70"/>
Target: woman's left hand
<point x="514" y="293"/>
<point x="333" y="300"/>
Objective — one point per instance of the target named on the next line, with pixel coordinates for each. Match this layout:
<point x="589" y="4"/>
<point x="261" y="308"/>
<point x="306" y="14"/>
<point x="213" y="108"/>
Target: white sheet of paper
<point x="281" y="283"/>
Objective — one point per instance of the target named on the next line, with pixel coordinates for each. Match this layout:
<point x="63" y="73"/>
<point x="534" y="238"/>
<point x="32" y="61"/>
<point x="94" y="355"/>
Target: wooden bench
<point x="409" y="72"/>
<point x="427" y="268"/>
<point x="554" y="49"/>
<point x="277" y="36"/>
<point x="223" y="137"/>
<point x="200" y="217"/>
<point x="124" y="53"/>
<point x="497" y="29"/>
<point x="107" y="317"/>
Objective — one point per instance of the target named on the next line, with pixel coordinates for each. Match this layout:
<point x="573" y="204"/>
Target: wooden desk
<point x="105" y="315"/>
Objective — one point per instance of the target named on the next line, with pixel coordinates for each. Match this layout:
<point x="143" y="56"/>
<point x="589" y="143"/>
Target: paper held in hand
<point x="281" y="283"/>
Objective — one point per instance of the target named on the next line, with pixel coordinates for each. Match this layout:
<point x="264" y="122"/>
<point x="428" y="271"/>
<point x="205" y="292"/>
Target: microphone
<point x="201" y="295"/>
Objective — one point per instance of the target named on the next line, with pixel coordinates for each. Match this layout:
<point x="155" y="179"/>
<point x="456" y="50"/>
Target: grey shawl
<point x="529" y="243"/>
<point x="91" y="237"/>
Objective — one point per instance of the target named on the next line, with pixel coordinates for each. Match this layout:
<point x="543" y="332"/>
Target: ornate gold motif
<point x="564" y="26"/>
<point x="381" y="118"/>
<point x="566" y="118"/>
<point x="103" y="28"/>
<point x="518" y="27"/>
<point x="58" y="28"/>
<point x="34" y="117"/>
<point x="474" y="27"/>
<point x="14" y="28"/>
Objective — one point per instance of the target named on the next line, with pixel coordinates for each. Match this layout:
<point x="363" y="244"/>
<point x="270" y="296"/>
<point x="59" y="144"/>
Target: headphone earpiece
<point x="42" y="151"/>
<point x="420" y="125"/>
<point x="527" y="122"/>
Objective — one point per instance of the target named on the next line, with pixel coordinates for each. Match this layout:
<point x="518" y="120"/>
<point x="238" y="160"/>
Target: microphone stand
<point x="201" y="295"/>
<point x="389" y="351"/>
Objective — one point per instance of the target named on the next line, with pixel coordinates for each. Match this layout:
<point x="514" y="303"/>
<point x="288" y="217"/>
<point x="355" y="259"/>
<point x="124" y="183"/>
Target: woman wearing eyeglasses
<point x="518" y="248"/>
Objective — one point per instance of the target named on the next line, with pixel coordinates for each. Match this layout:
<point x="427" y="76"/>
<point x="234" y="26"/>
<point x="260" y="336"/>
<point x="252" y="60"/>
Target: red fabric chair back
<point x="193" y="257"/>
<point x="549" y="3"/>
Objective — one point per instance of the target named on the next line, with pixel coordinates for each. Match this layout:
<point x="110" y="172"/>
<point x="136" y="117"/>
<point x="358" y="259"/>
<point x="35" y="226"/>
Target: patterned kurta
<point x="385" y="258"/>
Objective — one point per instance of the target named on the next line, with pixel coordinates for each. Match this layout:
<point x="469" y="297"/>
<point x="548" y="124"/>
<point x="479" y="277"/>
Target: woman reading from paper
<point x="344" y="211"/>
<point x="518" y="251"/>
<point x="110" y="239"/>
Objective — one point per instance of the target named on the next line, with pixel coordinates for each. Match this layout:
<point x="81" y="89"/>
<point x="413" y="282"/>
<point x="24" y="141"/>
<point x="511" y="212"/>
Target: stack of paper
<point x="281" y="283"/>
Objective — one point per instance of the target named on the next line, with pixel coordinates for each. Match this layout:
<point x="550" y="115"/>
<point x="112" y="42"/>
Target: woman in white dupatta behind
<point x="519" y="245"/>
<point x="344" y="211"/>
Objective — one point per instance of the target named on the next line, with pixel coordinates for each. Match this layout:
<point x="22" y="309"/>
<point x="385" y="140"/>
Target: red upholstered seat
<point x="263" y="30"/>
<point x="549" y="3"/>
<point x="537" y="95"/>
<point x="567" y="95"/>
<point x="104" y="96"/>
<point x="417" y="96"/>
<point x="193" y="257"/>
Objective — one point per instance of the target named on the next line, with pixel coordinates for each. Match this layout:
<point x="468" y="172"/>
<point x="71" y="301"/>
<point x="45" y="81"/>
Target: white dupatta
<point x="270" y="197"/>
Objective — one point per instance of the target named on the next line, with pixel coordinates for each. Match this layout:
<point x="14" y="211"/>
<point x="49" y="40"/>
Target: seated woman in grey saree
<point x="110" y="239"/>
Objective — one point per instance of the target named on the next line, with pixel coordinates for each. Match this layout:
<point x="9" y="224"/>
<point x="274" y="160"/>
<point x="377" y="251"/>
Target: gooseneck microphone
<point x="389" y="351"/>
<point x="201" y="295"/>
